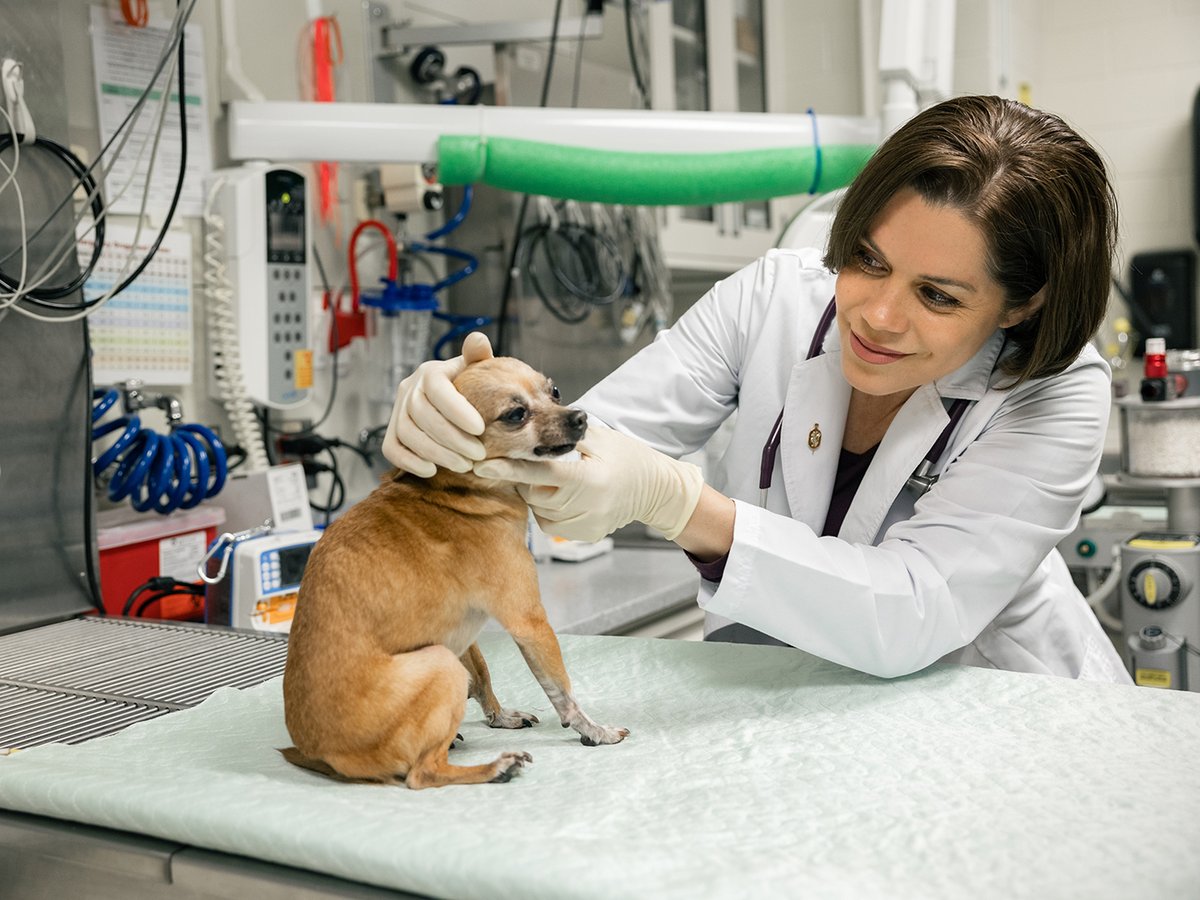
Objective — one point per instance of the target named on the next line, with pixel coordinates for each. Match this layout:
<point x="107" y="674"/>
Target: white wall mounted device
<point x="259" y="234"/>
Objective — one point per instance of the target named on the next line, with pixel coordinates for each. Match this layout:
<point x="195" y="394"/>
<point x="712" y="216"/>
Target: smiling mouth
<point x="553" y="449"/>
<point x="873" y="352"/>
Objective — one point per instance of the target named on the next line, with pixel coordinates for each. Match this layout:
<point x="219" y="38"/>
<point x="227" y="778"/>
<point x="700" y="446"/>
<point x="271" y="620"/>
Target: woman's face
<point x="916" y="301"/>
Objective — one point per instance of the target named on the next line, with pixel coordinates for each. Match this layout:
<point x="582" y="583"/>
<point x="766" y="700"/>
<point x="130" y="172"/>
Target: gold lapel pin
<point x="814" y="437"/>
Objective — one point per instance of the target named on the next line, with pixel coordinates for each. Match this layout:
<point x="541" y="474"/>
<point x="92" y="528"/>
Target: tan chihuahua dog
<point x="382" y="653"/>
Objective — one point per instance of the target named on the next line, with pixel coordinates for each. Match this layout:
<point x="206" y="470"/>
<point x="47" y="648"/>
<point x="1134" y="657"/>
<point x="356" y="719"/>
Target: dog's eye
<point x="554" y="393"/>
<point x="515" y="416"/>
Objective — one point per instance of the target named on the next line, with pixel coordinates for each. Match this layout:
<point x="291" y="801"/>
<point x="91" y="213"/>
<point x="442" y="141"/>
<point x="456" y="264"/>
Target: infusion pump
<point x="256" y="260"/>
<point x="259" y="581"/>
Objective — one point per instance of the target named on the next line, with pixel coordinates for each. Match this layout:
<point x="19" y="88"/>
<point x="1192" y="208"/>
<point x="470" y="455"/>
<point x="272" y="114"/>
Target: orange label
<point x="304" y="369"/>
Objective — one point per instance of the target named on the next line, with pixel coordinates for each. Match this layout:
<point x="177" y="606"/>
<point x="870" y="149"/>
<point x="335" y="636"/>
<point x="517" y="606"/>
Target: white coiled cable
<point x="221" y="317"/>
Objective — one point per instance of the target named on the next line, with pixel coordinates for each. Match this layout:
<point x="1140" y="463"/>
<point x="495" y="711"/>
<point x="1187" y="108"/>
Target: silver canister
<point x="1158" y="659"/>
<point x="1187" y="364"/>
<point x="1161" y="439"/>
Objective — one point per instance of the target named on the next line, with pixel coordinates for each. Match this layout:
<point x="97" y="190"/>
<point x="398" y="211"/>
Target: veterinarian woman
<point x="922" y="406"/>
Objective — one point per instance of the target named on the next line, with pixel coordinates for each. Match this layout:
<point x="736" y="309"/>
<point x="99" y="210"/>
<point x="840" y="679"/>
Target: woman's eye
<point x="936" y="298"/>
<point x="867" y="262"/>
<point x="515" y="416"/>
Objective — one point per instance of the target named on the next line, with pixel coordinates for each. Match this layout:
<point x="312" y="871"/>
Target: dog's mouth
<point x="553" y="449"/>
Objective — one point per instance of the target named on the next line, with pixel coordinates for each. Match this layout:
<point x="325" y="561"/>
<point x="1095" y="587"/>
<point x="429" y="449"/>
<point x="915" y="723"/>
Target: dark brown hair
<point x="1037" y="191"/>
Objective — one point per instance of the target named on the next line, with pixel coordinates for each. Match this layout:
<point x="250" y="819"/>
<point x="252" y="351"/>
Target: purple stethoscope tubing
<point x="920" y="481"/>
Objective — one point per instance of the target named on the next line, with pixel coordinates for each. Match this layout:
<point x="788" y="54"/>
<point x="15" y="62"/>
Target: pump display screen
<point x="285" y="231"/>
<point x="292" y="561"/>
<point x="285" y="216"/>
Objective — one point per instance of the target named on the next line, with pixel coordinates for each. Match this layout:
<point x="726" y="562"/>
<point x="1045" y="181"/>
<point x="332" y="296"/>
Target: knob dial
<point x="1155" y="584"/>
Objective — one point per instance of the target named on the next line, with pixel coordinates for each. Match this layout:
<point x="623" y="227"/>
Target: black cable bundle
<point x="39" y="296"/>
<point x="159" y="588"/>
<point x="572" y="268"/>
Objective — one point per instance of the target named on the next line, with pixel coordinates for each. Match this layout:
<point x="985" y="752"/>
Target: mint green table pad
<point x="750" y="771"/>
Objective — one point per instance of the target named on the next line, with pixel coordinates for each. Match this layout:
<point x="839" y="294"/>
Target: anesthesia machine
<point x="1160" y="569"/>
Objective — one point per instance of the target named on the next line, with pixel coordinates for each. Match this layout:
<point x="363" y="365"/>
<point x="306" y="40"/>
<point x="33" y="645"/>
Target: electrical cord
<point x="308" y="444"/>
<point x="161" y="587"/>
<point x="337" y="487"/>
<point x="65" y="248"/>
<point x="88" y="306"/>
<point x="11" y="181"/>
<point x="578" y="60"/>
<point x="572" y="266"/>
<point x="89" y="517"/>
<point x="519" y="227"/>
<point x="565" y="307"/>
<point x="123" y="130"/>
<point x="586" y="262"/>
<point x="370" y="442"/>
<point x="640" y="81"/>
<point x="79" y="170"/>
<point x="1145" y="326"/>
<point x="183" y="155"/>
<point x="333" y="339"/>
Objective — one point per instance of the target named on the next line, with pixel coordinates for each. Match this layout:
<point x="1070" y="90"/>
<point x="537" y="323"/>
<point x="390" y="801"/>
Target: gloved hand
<point x="616" y="480"/>
<point x="432" y="424"/>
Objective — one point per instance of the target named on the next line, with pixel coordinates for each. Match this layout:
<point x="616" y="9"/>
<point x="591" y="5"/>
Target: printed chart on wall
<point x="145" y="331"/>
<point x="125" y="59"/>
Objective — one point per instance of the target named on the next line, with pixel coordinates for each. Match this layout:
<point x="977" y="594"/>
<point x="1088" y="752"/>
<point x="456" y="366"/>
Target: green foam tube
<point x="646" y="179"/>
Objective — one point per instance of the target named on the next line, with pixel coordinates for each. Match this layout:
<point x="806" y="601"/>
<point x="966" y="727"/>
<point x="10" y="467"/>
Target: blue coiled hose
<point x="159" y="472"/>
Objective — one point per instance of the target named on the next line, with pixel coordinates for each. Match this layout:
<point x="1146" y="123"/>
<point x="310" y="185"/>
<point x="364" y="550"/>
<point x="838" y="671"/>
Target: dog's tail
<point x="296" y="758"/>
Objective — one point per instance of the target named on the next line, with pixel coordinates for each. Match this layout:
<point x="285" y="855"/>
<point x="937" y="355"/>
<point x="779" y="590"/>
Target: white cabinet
<point x="720" y="55"/>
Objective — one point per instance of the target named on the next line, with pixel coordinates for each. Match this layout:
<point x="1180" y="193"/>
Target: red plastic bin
<point x="135" y="547"/>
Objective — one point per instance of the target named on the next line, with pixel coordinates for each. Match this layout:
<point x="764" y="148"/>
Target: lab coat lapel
<point x="909" y="437"/>
<point x="817" y="398"/>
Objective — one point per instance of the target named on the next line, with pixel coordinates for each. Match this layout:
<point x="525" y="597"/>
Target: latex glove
<point x="616" y="480"/>
<point x="432" y="424"/>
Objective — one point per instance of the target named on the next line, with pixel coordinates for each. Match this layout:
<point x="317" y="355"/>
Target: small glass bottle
<point x="1156" y="382"/>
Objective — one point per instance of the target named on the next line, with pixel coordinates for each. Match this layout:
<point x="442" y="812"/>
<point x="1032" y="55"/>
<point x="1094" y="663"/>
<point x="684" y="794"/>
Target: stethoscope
<point x="918" y="482"/>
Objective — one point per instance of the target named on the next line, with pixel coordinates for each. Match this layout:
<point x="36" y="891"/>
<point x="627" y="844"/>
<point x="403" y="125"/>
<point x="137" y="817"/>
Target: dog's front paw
<point x="594" y="734"/>
<point x="511" y="718"/>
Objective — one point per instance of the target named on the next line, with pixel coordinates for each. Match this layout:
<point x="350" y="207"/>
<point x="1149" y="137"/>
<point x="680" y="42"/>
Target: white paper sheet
<point x="145" y="331"/>
<point x="749" y="772"/>
<point x="124" y="59"/>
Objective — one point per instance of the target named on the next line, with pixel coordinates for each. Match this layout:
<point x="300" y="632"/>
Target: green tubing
<point x="645" y="179"/>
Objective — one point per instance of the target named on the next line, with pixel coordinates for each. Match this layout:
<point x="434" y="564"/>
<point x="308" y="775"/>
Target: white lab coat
<point x="968" y="574"/>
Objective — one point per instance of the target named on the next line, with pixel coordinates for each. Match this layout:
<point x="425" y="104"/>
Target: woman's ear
<point x="1023" y="313"/>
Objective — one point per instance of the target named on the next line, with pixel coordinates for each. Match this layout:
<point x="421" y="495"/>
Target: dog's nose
<point x="577" y="423"/>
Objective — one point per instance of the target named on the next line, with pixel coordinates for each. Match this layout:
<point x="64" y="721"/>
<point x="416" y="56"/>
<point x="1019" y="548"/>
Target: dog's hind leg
<point x="423" y="700"/>
<point x="435" y="770"/>
<point x="481" y="692"/>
